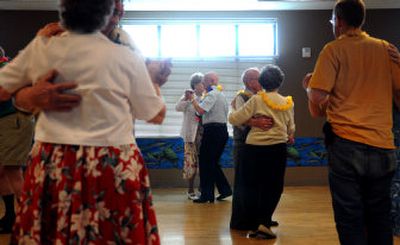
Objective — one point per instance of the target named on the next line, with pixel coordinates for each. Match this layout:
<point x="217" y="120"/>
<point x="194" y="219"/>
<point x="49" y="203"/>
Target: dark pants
<point x="360" y="178"/>
<point x="264" y="171"/>
<point x="239" y="216"/>
<point x="214" y="139"/>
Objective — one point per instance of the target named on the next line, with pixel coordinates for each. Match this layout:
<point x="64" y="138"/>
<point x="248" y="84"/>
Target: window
<point x="178" y="41"/>
<point x="146" y="37"/>
<point x="253" y="42"/>
<point x="227" y="47"/>
<point x="192" y="39"/>
<point x="217" y="40"/>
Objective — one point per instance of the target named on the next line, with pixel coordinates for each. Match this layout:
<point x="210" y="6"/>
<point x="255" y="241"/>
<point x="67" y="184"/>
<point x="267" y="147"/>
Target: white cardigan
<point x="190" y="121"/>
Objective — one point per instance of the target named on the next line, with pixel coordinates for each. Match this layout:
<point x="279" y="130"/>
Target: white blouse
<point x="112" y="80"/>
<point x="190" y="121"/>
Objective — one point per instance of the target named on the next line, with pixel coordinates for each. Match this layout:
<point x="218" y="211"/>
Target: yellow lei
<point x="218" y="87"/>
<point x="268" y="102"/>
<point x="242" y="91"/>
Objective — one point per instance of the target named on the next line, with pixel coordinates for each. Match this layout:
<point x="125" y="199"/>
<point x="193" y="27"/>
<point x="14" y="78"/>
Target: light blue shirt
<point x="216" y="107"/>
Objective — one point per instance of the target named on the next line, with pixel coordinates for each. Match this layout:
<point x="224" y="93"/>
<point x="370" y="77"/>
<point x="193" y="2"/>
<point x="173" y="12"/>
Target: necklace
<point x="218" y="88"/>
<point x="242" y="91"/>
<point x="274" y="106"/>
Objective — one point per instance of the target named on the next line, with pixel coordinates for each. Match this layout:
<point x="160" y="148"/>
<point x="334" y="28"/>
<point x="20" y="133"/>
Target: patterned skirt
<point x="85" y="195"/>
<point x="191" y="160"/>
<point x="191" y="155"/>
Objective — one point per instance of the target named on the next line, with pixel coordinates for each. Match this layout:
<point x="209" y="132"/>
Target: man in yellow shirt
<point x="353" y="83"/>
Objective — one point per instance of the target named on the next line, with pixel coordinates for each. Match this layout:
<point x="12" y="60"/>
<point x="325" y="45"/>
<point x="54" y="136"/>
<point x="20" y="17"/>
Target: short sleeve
<point x="244" y="113"/>
<point x="239" y="101"/>
<point x="209" y="101"/>
<point x="182" y="104"/>
<point x="324" y="75"/>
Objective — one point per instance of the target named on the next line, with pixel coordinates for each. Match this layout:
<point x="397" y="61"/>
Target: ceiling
<point x="203" y="5"/>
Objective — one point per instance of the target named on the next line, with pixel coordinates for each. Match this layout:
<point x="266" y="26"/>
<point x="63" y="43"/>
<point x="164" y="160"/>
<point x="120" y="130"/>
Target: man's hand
<point x="263" y="122"/>
<point x="394" y="54"/>
<point x="306" y="80"/>
<point x="159" y="70"/>
<point x="45" y="95"/>
<point x="51" y="29"/>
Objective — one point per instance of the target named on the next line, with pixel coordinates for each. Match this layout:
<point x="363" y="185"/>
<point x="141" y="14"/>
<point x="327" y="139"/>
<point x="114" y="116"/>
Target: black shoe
<point x="203" y="200"/>
<point x="7" y="222"/>
<point x="262" y="232"/>
<point x="273" y="223"/>
<point x="221" y="197"/>
<point x="251" y="234"/>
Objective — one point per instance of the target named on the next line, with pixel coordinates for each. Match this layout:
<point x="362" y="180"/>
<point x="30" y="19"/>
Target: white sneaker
<point x="192" y="196"/>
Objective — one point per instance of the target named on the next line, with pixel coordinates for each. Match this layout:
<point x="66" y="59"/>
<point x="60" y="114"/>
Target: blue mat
<point x="166" y="153"/>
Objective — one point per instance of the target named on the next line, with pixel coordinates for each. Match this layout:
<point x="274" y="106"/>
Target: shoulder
<point x="121" y="37"/>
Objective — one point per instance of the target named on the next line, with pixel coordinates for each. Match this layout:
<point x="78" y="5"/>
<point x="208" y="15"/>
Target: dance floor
<point x="304" y="214"/>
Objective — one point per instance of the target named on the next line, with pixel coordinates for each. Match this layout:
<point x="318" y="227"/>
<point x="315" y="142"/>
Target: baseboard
<point x="295" y="176"/>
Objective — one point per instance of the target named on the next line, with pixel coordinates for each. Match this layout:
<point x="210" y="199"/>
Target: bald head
<point x="250" y="79"/>
<point x="210" y="79"/>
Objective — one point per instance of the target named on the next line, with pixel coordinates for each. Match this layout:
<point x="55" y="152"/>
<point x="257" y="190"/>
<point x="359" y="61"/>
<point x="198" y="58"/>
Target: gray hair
<point x="271" y="77"/>
<point x="85" y="16"/>
<point x="195" y="79"/>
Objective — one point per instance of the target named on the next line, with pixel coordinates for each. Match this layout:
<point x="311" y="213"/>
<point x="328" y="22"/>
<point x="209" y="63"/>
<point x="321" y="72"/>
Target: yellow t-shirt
<point x="356" y="71"/>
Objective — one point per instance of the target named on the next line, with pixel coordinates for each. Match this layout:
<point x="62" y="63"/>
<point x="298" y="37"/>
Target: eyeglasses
<point x="333" y="20"/>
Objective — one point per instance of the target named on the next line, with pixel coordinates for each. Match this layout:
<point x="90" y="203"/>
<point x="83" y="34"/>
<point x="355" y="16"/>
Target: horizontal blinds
<point x="230" y="78"/>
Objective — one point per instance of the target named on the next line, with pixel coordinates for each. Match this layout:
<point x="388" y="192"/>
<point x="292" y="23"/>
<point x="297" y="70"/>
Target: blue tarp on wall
<point x="165" y="153"/>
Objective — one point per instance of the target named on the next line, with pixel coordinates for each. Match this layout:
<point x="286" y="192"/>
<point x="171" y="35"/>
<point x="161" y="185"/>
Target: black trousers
<point x="239" y="216"/>
<point x="264" y="171"/>
<point x="214" y="139"/>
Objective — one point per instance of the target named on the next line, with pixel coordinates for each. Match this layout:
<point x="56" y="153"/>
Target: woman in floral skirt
<point x="191" y="131"/>
<point x="86" y="182"/>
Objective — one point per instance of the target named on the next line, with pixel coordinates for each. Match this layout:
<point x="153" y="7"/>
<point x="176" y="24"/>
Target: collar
<point x="96" y="34"/>
<point x="354" y="33"/>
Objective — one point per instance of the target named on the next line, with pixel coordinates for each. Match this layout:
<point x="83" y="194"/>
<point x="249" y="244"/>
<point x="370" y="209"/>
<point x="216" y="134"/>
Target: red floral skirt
<point x="85" y="195"/>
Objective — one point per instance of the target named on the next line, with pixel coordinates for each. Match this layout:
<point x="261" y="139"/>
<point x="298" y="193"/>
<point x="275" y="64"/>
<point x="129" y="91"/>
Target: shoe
<point x="273" y="223"/>
<point x="264" y="232"/>
<point x="221" y="197"/>
<point x="7" y="222"/>
<point x="192" y="196"/>
<point x="251" y="234"/>
<point x="203" y="200"/>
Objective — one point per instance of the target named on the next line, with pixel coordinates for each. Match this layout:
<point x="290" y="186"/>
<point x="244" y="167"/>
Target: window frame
<point x="199" y="21"/>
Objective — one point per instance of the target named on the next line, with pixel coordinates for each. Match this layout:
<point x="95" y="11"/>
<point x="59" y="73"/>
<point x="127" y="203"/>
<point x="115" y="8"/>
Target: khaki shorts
<point x="16" y="132"/>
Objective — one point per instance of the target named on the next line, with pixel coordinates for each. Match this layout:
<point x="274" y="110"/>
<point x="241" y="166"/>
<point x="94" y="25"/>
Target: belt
<point x="214" y="125"/>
